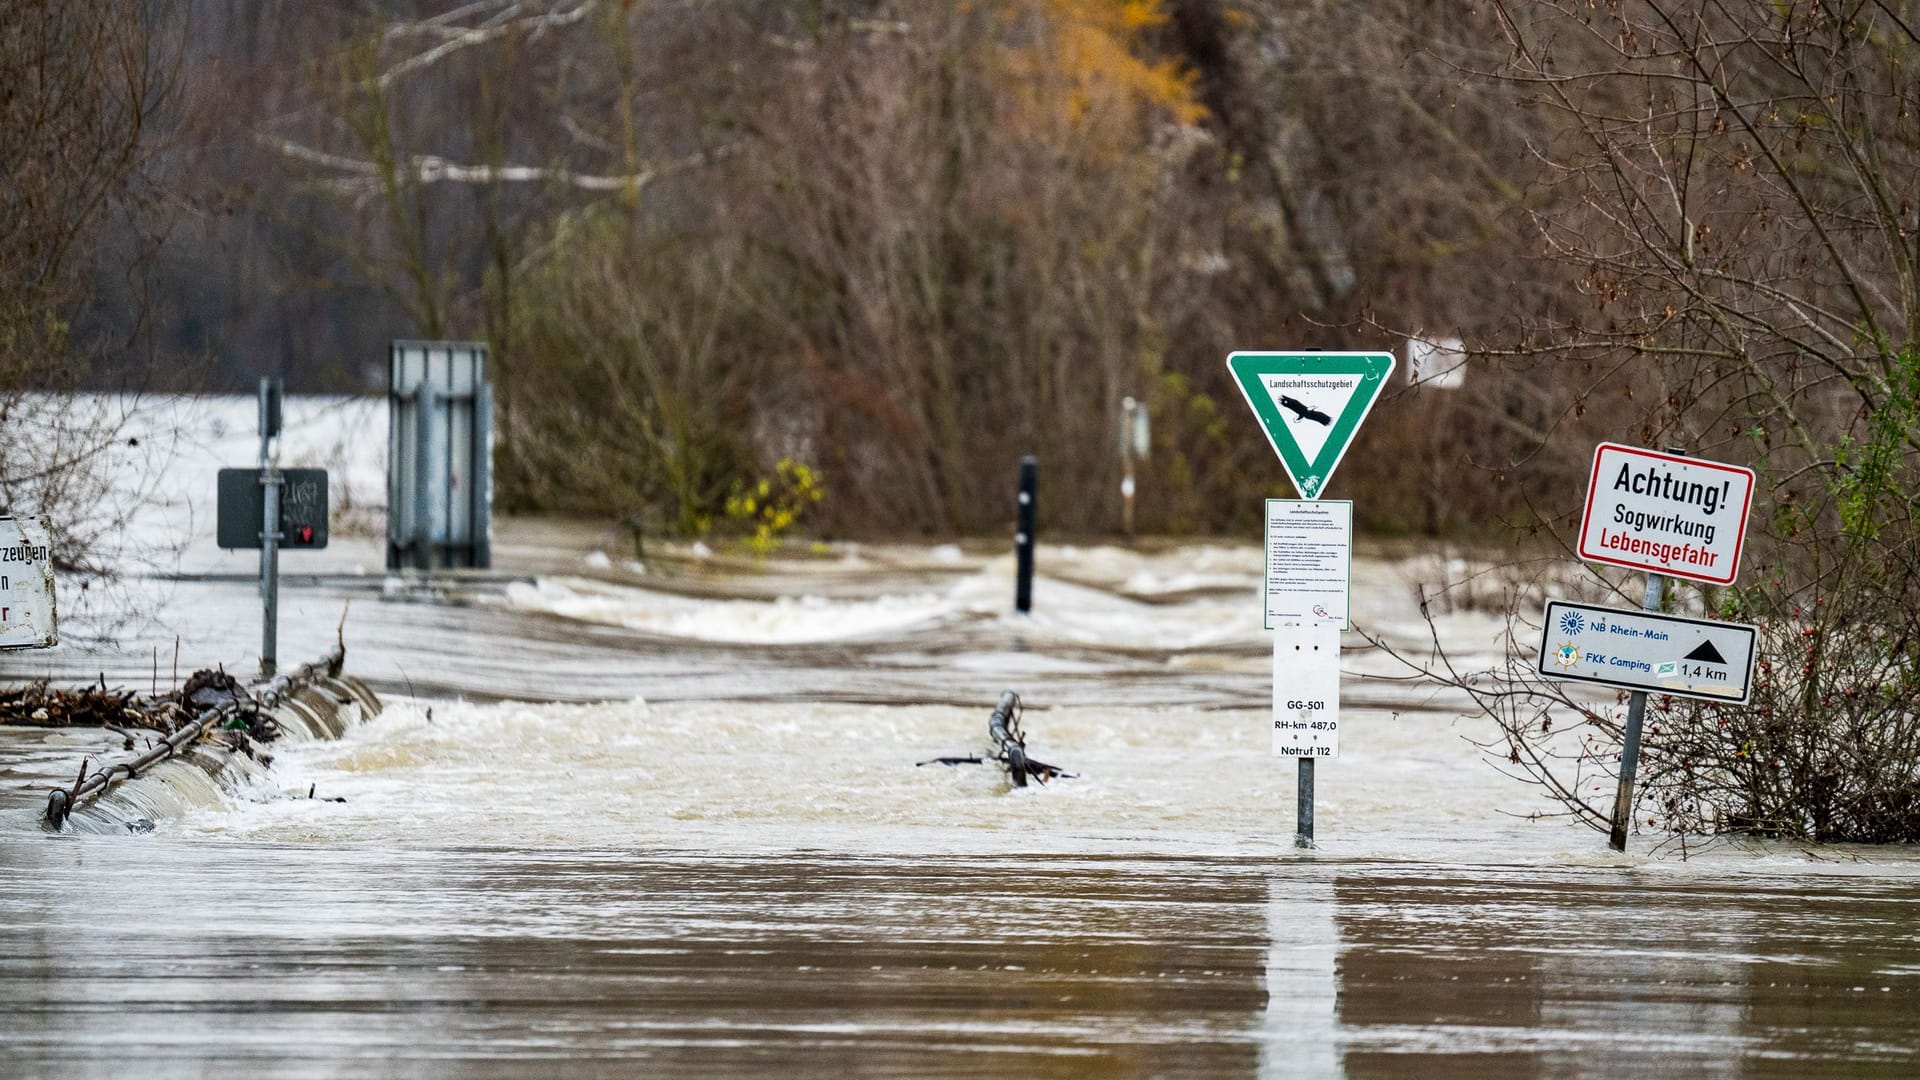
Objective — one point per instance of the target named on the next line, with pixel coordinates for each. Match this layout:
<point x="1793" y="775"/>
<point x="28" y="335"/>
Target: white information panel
<point x="26" y="584"/>
<point x="1645" y="650"/>
<point x="1309" y="561"/>
<point x="1306" y="690"/>
<point x="1666" y="514"/>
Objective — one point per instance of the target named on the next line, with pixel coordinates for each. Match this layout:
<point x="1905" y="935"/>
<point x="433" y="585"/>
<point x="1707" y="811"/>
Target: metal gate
<point x="439" y="456"/>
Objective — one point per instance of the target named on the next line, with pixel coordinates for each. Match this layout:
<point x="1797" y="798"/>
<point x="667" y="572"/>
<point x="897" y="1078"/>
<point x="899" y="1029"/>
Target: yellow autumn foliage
<point x="1087" y="64"/>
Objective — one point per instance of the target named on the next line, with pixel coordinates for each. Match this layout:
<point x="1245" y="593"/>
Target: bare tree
<point x="983" y="214"/>
<point x="81" y="86"/>
<point x="1736" y="186"/>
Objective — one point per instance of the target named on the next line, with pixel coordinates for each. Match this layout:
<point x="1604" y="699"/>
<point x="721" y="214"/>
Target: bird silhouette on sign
<point x="1303" y="411"/>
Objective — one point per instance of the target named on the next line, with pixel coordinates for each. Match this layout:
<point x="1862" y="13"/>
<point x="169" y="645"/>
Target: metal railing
<point x="274" y="694"/>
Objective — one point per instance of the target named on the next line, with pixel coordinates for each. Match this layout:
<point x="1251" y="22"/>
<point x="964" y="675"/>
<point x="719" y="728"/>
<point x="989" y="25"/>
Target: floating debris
<point x="1011" y="746"/>
<point x="38" y="704"/>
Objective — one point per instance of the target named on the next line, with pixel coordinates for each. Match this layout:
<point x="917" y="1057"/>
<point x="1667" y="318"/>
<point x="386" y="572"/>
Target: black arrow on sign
<point x="1706" y="654"/>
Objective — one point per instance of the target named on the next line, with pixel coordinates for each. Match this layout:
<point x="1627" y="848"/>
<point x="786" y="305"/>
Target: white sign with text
<point x="1306" y="691"/>
<point x="1648" y="651"/>
<point x="27" y="614"/>
<point x="1309" y="561"/>
<point x="1666" y="514"/>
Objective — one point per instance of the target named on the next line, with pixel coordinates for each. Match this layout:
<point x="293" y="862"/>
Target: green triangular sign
<point x="1310" y="405"/>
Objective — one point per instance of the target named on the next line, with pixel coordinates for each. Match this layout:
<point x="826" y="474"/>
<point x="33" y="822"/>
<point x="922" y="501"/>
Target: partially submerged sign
<point x="1306" y="691"/>
<point x="242" y="506"/>
<point x="1310" y="405"/>
<point x="1666" y="514"/>
<point x="28" y="616"/>
<point x="1309" y="561"/>
<point x="1646" y="651"/>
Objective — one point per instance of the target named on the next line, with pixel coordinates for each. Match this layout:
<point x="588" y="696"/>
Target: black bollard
<point x="1023" y="535"/>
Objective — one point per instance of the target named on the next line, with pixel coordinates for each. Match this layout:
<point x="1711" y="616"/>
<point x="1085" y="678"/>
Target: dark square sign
<point x="243" y="505"/>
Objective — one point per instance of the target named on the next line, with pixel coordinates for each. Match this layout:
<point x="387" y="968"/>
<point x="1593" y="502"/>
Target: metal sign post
<point x="270" y="398"/>
<point x="1645" y="652"/>
<point x="272" y="509"/>
<point x="1310" y="405"/>
<point x="1630" y="751"/>
<point x="1671" y="516"/>
<point x="1303" y="806"/>
<point x="1306" y="706"/>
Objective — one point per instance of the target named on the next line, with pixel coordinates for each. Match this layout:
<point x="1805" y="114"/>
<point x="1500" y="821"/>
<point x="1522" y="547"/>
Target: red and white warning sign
<point x="1666" y="514"/>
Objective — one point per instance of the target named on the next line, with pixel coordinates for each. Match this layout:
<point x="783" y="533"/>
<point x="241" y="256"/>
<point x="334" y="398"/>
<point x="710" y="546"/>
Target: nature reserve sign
<point x="1666" y="514"/>
<point x="1310" y="405"/>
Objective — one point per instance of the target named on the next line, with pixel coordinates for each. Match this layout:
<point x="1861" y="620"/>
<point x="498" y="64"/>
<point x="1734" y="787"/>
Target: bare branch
<point x="431" y="169"/>
<point x="532" y="25"/>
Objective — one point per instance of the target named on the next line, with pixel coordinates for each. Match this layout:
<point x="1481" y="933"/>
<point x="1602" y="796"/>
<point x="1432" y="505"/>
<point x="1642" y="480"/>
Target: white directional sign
<point x="1666" y="514"/>
<point x="1643" y="650"/>
<point x="1309" y="560"/>
<point x="27" y="615"/>
<point x="1306" y="691"/>
<point x="1310" y="405"/>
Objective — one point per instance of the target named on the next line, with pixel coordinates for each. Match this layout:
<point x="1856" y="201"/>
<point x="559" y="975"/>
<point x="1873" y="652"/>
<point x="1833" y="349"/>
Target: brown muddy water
<point x="666" y="820"/>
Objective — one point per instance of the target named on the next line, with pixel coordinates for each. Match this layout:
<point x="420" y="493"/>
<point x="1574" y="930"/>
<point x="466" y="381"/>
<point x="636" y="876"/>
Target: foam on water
<point x="781" y="620"/>
<point x="1064" y="611"/>
<point x="844" y="777"/>
<point x="707" y="777"/>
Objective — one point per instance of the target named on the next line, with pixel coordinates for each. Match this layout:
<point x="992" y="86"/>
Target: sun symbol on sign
<point x="1567" y="655"/>
<point x="1572" y="623"/>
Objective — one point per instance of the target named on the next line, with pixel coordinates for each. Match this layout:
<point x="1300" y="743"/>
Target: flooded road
<point x="664" y="817"/>
<point x="299" y="960"/>
<point x="767" y="885"/>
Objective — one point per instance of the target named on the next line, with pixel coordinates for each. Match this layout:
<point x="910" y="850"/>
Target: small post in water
<point x="270" y="398"/>
<point x="1133" y="447"/>
<point x="1303" y="808"/>
<point x="1023" y="535"/>
<point x="1636" y="712"/>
